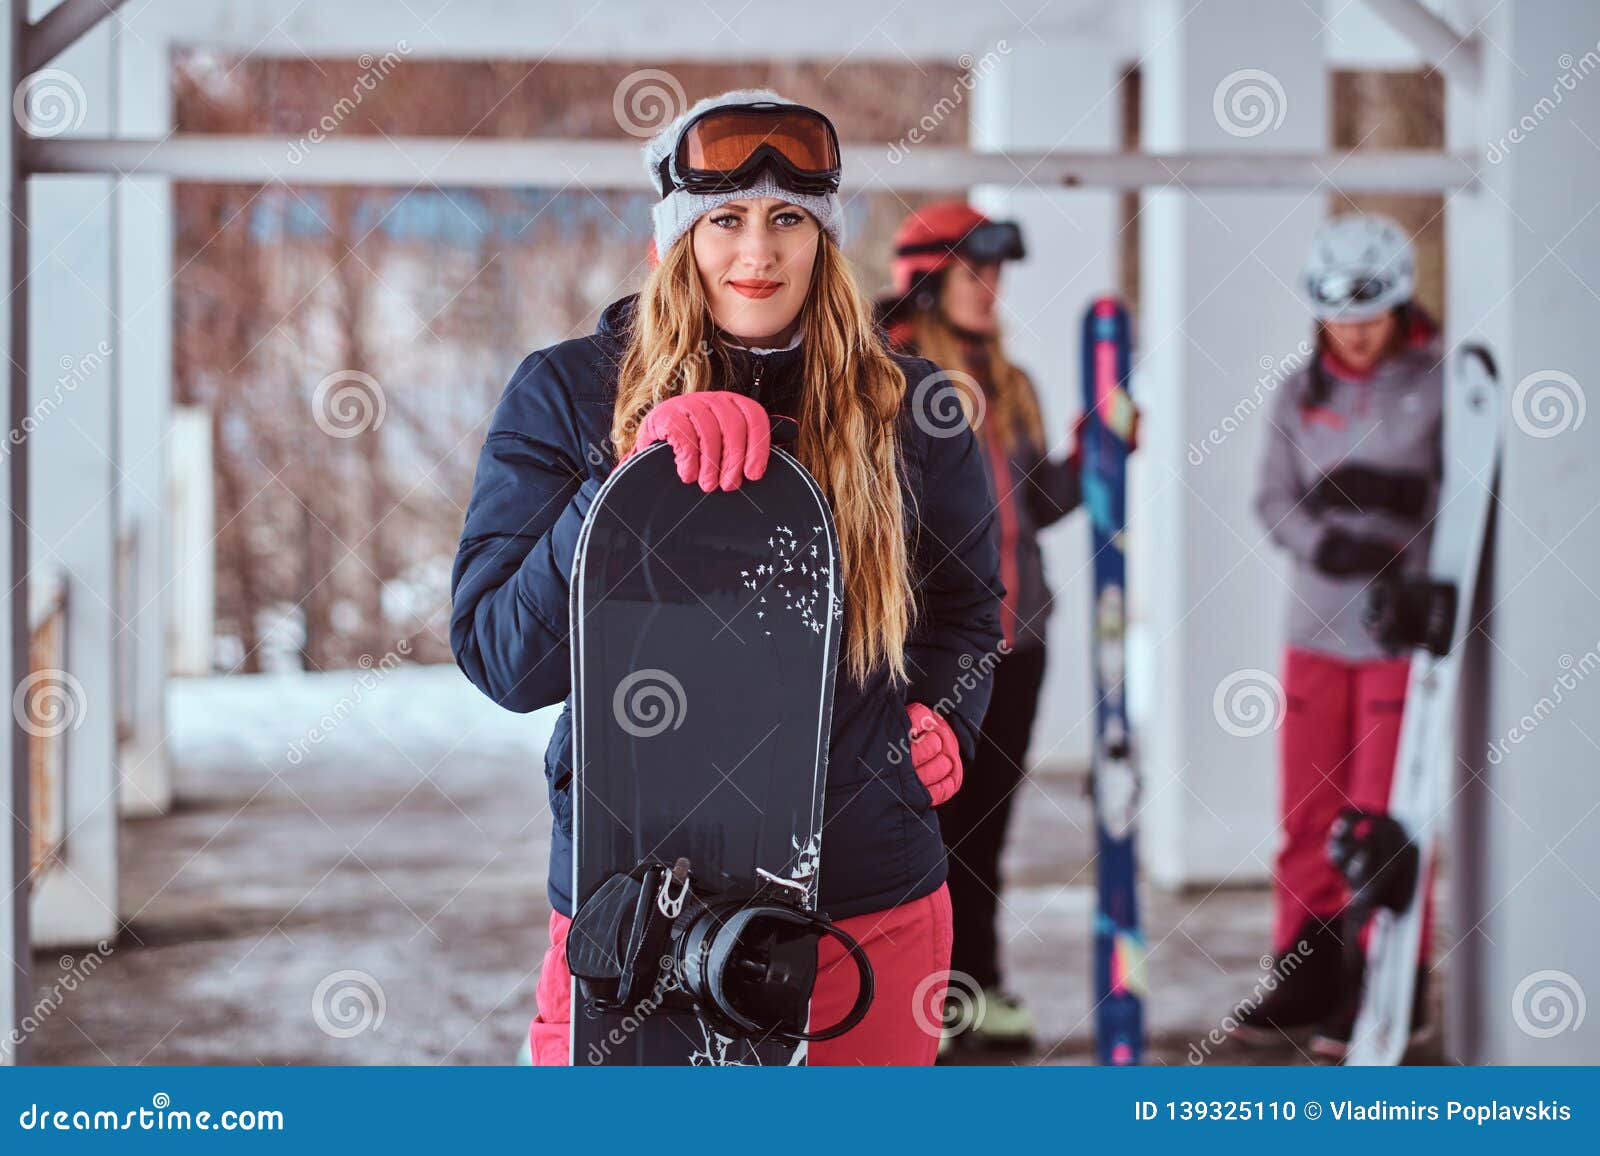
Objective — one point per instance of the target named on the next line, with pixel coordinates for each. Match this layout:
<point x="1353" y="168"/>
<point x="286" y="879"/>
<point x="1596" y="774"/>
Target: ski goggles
<point x="988" y="243"/>
<point x="722" y="149"/>
<point x="1336" y="290"/>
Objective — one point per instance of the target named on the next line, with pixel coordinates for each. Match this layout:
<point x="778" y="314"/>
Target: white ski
<point x="1473" y="425"/>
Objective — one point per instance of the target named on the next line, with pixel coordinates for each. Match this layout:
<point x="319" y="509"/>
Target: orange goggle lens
<point x="723" y="142"/>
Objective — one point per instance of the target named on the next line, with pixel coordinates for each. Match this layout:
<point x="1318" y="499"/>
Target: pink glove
<point x="718" y="438"/>
<point x="934" y="754"/>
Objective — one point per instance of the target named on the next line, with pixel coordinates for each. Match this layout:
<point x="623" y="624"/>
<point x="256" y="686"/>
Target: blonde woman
<point x="752" y="312"/>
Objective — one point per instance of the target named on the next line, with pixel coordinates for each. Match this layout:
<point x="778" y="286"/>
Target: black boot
<point x="1332" y="1037"/>
<point x="1305" y="986"/>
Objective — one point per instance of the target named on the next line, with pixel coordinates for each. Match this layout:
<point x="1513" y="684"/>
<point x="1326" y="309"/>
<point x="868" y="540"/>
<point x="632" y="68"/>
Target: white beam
<point x="602" y="30"/>
<point x="61" y="28"/>
<point x="14" y="891"/>
<point x="615" y="165"/>
<point x="1217" y="308"/>
<point x="1460" y="58"/>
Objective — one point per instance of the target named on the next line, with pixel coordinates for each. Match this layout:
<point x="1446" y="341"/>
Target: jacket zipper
<point x="999" y="467"/>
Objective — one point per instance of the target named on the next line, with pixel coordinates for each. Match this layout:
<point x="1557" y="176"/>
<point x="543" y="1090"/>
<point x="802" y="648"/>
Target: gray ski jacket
<point x="1387" y="420"/>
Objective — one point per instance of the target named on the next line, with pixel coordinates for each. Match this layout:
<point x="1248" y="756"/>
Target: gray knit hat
<point x="677" y="212"/>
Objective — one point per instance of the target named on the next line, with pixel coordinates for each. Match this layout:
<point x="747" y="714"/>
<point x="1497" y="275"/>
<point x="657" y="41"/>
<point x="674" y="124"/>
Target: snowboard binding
<point x="1404" y="613"/>
<point x="742" y="959"/>
<point x="1377" y="859"/>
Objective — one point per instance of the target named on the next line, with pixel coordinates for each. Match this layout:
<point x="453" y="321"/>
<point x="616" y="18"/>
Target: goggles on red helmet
<point x="989" y="242"/>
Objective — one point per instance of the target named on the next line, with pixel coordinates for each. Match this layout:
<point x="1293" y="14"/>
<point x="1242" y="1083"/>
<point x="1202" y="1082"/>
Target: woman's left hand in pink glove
<point x="934" y="753"/>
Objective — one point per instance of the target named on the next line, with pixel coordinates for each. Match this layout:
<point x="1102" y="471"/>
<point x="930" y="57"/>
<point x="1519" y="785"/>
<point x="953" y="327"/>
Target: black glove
<point x="1401" y="492"/>
<point x="1343" y="555"/>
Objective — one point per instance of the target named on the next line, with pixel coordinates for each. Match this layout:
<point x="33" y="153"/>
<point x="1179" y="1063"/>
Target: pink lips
<point x="757" y="289"/>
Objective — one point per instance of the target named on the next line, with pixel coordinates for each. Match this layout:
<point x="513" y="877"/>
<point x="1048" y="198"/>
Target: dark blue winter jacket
<point x="547" y="452"/>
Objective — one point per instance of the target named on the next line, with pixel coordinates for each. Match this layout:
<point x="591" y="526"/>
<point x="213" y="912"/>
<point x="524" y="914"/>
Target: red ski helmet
<point x="931" y="239"/>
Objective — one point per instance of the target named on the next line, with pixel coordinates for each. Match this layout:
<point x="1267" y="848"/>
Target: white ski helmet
<point x="1360" y="266"/>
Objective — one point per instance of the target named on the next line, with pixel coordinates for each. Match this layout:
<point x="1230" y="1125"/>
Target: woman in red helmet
<point x="947" y="259"/>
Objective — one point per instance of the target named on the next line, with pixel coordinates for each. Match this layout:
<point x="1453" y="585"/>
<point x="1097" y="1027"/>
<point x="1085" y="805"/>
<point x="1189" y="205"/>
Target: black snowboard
<point x="705" y="638"/>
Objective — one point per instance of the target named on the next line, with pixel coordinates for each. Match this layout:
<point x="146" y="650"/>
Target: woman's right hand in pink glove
<point x="718" y="438"/>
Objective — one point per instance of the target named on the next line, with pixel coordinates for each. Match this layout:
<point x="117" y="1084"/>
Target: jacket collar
<point x="772" y="377"/>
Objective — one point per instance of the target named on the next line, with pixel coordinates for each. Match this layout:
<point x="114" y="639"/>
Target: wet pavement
<point x="354" y="875"/>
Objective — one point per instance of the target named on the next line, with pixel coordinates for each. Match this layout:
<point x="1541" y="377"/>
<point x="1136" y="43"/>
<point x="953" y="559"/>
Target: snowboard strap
<point x="742" y="959"/>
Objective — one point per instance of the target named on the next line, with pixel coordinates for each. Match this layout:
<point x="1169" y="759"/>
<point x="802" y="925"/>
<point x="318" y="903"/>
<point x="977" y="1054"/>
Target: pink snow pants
<point x="908" y="946"/>
<point x="1337" y="750"/>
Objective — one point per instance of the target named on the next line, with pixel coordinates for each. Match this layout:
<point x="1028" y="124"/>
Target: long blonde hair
<point x="1014" y="408"/>
<point x="850" y="400"/>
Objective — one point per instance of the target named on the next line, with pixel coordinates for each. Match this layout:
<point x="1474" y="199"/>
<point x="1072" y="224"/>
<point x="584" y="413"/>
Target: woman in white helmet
<point x="1348" y="487"/>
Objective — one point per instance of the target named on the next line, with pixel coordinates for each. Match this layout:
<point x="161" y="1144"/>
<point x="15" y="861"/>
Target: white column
<point x="72" y="476"/>
<point x="143" y="307"/>
<point x="1061" y="94"/>
<point x="1218" y="306"/>
<point x="13" y="565"/>
<point x="1524" y="262"/>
